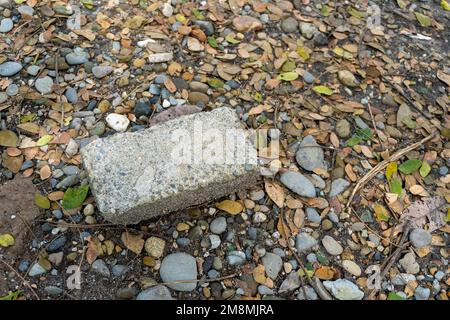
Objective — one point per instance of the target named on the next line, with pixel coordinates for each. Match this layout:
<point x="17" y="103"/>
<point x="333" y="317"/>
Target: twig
<point x="373" y="123"/>
<point x="59" y="89"/>
<point x="195" y="280"/>
<point x="383" y="164"/>
<point x="22" y="278"/>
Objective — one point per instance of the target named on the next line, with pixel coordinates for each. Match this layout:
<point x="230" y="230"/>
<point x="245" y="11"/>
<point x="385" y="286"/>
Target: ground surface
<point x="308" y="68"/>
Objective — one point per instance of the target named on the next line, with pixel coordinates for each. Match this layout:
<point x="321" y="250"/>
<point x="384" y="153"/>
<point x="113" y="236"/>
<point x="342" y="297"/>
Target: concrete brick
<point x="136" y="176"/>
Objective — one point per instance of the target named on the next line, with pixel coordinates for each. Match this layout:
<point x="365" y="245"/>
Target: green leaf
<point x="44" y="140"/>
<point x="395" y="185"/>
<point x="301" y="51"/>
<point x="74" y="197"/>
<point x="424" y="20"/>
<point x="28" y="118"/>
<point x="41" y="201"/>
<point x="215" y="83"/>
<point x="229" y="38"/>
<point x="323" y="90"/>
<point x="364" y="134"/>
<point x="394" y="296"/>
<point x="355" y="13"/>
<point x="424" y="169"/>
<point x="401" y="4"/>
<point x="258" y="96"/>
<point x="391" y="169"/>
<point x="19" y="1"/>
<point x="410" y="166"/>
<point x="410" y="123"/>
<point x="445" y="5"/>
<point x="447" y="217"/>
<point x="325" y="10"/>
<point x="6" y="240"/>
<point x="288" y="66"/>
<point x="12" y="295"/>
<point x="288" y="76"/>
<point x="212" y="42"/>
<point x="88" y="3"/>
<point x="198" y="15"/>
<point x="323" y="260"/>
<point x="381" y="212"/>
<point x="353" y="141"/>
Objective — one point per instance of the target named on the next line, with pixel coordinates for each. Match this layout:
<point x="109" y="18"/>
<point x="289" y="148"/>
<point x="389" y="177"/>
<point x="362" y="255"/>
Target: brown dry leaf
<point x="366" y="151"/>
<point x="422" y="210"/>
<point x="275" y="192"/>
<point x="299" y="218"/>
<point x="134" y="243"/>
<point x="230" y="206"/>
<point x="88" y="34"/>
<point x="168" y="83"/>
<point x="350" y="173"/>
<point x="45" y="172"/>
<point x="416" y="189"/>
<point x="92" y="250"/>
<point x="444" y="77"/>
<point x="259" y="274"/>
<point x="324" y="273"/>
<point x="334" y="140"/>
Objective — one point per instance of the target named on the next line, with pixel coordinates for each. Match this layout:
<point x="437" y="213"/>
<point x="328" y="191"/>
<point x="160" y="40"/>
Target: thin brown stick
<point x="373" y="123"/>
<point x="22" y="278"/>
<point x="195" y="280"/>
<point x="383" y="164"/>
<point x="59" y="89"/>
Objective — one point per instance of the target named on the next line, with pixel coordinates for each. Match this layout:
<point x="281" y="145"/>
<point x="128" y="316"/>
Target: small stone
<point x="310" y="155"/>
<point x="218" y="225"/>
<point x="304" y="242"/>
<point x="422" y="293"/>
<point x="338" y="186"/>
<point x="119" y="270"/>
<point x="36" y="270"/>
<point x="308" y="77"/>
<point x="160" y="57"/>
<point x="310" y="294"/>
<point x="155" y="246"/>
<point x="167" y="9"/>
<point x="77" y="56"/>
<point x="3" y="97"/>
<point x="236" y="258"/>
<point x="98" y="129"/>
<point x="409" y="264"/>
<point x="159" y="292"/>
<point x="198" y="86"/>
<point x="272" y="264"/>
<point x="118" y="122"/>
<point x="25" y="10"/>
<point x="99" y="266"/>
<point x="347" y="78"/>
<point x="291" y="283"/>
<point x="6" y="25"/>
<point x="72" y="148"/>
<point x="289" y="25"/>
<point x="56" y="258"/>
<point x="57" y="244"/>
<point x="126" y="293"/>
<point x="88" y="210"/>
<point x="71" y="95"/>
<point x="12" y="90"/>
<point x="53" y="290"/>
<point x="343" y="289"/>
<point x="308" y="30"/>
<point x="44" y="85"/>
<point x="246" y="23"/>
<point x="214" y="241"/>
<point x="179" y="266"/>
<point x="299" y="184"/>
<point x="102" y="71"/>
<point x="194" y="44"/>
<point x="206" y="26"/>
<point x="332" y="246"/>
<point x="198" y="97"/>
<point x="264" y="290"/>
<point x="420" y="238"/>
<point x="389" y="100"/>
<point x="327" y="224"/>
<point x="351" y="267"/>
<point x="402" y="279"/>
<point x="313" y="215"/>
<point x="343" y="128"/>
<point x="9" y="68"/>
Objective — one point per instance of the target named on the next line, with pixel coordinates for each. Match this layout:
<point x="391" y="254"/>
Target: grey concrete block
<point x="168" y="167"/>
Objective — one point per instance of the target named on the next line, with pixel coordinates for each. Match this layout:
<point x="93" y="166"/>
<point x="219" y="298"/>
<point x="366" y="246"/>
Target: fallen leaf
<point x="275" y="192"/>
<point x="323" y="90"/>
<point x="410" y="166"/>
<point x="230" y="206"/>
<point x="74" y="197"/>
<point x="6" y="240"/>
<point x="41" y="201"/>
<point x="134" y="243"/>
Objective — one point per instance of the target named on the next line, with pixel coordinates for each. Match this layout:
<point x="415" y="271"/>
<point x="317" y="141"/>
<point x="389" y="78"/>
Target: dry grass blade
<point x="22" y="278"/>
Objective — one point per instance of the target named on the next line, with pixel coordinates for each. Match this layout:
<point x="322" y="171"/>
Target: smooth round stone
<point x="214" y="240"/>
<point x="57" y="244"/>
<point x="179" y="266"/>
<point x="118" y="122"/>
<point x="3" y="97"/>
<point x="102" y="71"/>
<point x="263" y="290"/>
<point x="272" y="264"/>
<point x="53" y="290"/>
<point x="310" y="155"/>
<point x="443" y="170"/>
<point x="289" y="25"/>
<point x="24" y="265"/>
<point x="313" y="215"/>
<point x="332" y="246"/>
<point x="78" y="56"/>
<point x="343" y="289"/>
<point x="304" y="242"/>
<point x="327" y="224"/>
<point x="422" y="293"/>
<point x="351" y="267"/>
<point x="198" y="97"/>
<point x="183" y="242"/>
<point x="159" y="292"/>
<point x="33" y="70"/>
<point x="12" y="90"/>
<point x="308" y="77"/>
<point x="25" y="10"/>
<point x="6" y="25"/>
<point x="9" y="68"/>
<point x="218" y="225"/>
<point x="126" y="293"/>
<point x="420" y="238"/>
<point x="119" y="270"/>
<point x="338" y="186"/>
<point x="99" y="266"/>
<point x="98" y="129"/>
<point x="299" y="184"/>
<point x="236" y="258"/>
<point x="71" y="95"/>
<point x="44" y="85"/>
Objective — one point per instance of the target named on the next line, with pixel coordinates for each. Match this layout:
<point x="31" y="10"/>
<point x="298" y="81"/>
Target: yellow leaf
<point x="41" y="201"/>
<point x="424" y="20"/>
<point x="390" y="170"/>
<point x="381" y="212"/>
<point x="445" y="5"/>
<point x="401" y="4"/>
<point x="44" y="140"/>
<point x="230" y="206"/>
<point x="323" y="90"/>
<point x="275" y="192"/>
<point x="303" y="53"/>
<point x="6" y="240"/>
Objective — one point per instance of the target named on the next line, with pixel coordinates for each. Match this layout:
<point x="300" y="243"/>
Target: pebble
<point x="98" y="129"/>
<point x="72" y="148"/>
<point x="44" y="85"/>
<point x="160" y="57"/>
<point x="309" y="157"/>
<point x="236" y="258"/>
<point x="198" y="97"/>
<point x="272" y="264"/>
<point x="126" y="293"/>
<point x="313" y="215"/>
<point x="206" y="26"/>
<point x="99" y="266"/>
<point x="343" y="128"/>
<point x="422" y="293"/>
<point x="71" y="170"/>
<point x="36" y="270"/>
<point x="6" y="25"/>
<point x="3" y="97"/>
<point x="246" y="23"/>
<point x="218" y="225"/>
<point x="351" y="267"/>
<point x="183" y="242"/>
<point x="57" y="244"/>
<point x="299" y="184"/>
<point x="118" y="122"/>
<point x="308" y="30"/>
<point x="25" y="10"/>
<point x="71" y="95"/>
<point x="24" y="265"/>
<point x="289" y="25"/>
<point x="9" y="68"/>
<point x="327" y="224"/>
<point x="389" y="100"/>
<point x="420" y="238"/>
<point x="142" y="109"/>
<point x="263" y="290"/>
<point x="338" y="186"/>
<point x="77" y="56"/>
<point x="443" y="170"/>
<point x="155" y="247"/>
<point x="291" y="283"/>
<point x="198" y="86"/>
<point x="304" y="242"/>
<point x="102" y="71"/>
<point x="332" y="246"/>
<point x="119" y="270"/>
<point x="310" y="294"/>
<point x="159" y="292"/>
<point x="53" y="290"/>
<point x="409" y="264"/>
<point x="343" y="289"/>
<point x="402" y="279"/>
<point x="167" y="9"/>
<point x="179" y="266"/>
<point x="308" y="77"/>
<point x="12" y="90"/>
